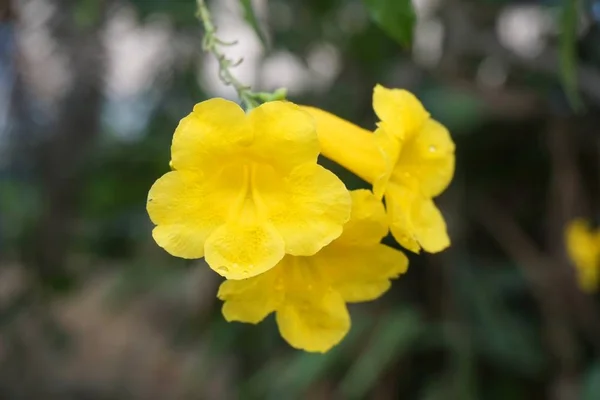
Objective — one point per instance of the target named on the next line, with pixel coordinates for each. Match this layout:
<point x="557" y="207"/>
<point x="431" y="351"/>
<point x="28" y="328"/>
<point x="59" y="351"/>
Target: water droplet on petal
<point x="309" y="287"/>
<point x="432" y="148"/>
<point x="223" y="269"/>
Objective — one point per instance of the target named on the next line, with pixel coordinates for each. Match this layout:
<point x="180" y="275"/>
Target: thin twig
<point x="211" y="44"/>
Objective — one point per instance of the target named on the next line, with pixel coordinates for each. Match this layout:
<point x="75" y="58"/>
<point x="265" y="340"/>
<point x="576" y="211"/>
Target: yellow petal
<point x="308" y="210"/>
<point x="315" y="322"/>
<point x="180" y="240"/>
<point x="390" y="146"/>
<point x="400" y="112"/>
<point x="360" y="273"/>
<point x="368" y="222"/>
<point x="415" y="221"/>
<point x="251" y="300"/>
<point x="347" y="144"/>
<point x="241" y="249"/>
<point x="429" y="225"/>
<point x="214" y="130"/>
<point x="285" y="136"/>
<point x="426" y="162"/>
<point x="187" y="208"/>
<point x="584" y="250"/>
<point x="398" y="203"/>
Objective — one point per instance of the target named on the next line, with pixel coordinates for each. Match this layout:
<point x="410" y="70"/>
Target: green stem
<point x="211" y="45"/>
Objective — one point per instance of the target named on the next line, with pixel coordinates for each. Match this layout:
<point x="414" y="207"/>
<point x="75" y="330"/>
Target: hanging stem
<point x="211" y="44"/>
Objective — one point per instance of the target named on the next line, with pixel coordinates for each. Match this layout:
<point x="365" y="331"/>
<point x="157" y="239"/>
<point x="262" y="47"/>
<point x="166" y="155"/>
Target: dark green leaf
<point x="251" y="18"/>
<point x="568" y="52"/>
<point x="395" y="17"/>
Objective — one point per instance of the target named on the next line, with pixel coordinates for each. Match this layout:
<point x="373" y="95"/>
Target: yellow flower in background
<point x="309" y="294"/>
<point x="583" y="247"/>
<point x="246" y="189"/>
<point x="409" y="160"/>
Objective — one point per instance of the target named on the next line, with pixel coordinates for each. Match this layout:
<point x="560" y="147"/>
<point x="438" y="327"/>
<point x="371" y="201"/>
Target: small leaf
<point x="396" y="17"/>
<point x="252" y="19"/>
<point x="568" y="52"/>
<point x="265" y="97"/>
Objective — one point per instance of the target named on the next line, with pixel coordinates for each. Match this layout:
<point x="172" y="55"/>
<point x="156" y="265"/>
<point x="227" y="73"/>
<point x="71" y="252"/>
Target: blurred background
<point x="90" y="94"/>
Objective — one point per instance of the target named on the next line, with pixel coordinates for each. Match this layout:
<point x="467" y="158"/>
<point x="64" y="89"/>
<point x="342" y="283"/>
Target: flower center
<point x="406" y="165"/>
<point x="300" y="277"/>
<point x="249" y="183"/>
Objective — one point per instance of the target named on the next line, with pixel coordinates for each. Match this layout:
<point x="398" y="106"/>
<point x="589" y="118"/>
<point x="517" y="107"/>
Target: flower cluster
<point x="583" y="247"/>
<point x="246" y="193"/>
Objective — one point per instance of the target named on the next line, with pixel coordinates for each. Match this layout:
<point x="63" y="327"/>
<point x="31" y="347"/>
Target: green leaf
<point x="568" y="52"/>
<point x="458" y="110"/>
<point x="251" y="18"/>
<point x="396" y="334"/>
<point x="396" y="17"/>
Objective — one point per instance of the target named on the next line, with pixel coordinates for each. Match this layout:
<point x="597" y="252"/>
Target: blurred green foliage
<point x="396" y="17"/>
<point x="568" y="50"/>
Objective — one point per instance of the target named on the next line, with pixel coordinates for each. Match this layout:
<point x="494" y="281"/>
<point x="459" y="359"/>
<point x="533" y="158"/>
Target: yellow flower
<point x="309" y="294"/>
<point x="409" y="160"/>
<point x="583" y="247"/>
<point x="246" y="189"/>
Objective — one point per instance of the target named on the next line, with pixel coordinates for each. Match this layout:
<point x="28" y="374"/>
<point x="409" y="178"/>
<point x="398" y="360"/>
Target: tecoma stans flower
<point x="409" y="159"/>
<point x="246" y="189"/>
<point x="309" y="294"/>
<point x="583" y="247"/>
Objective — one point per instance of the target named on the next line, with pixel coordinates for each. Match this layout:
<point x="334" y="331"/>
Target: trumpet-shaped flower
<point x="309" y="294"/>
<point x="409" y="160"/>
<point x="246" y="189"/>
<point x="583" y="247"/>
